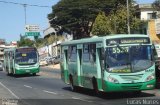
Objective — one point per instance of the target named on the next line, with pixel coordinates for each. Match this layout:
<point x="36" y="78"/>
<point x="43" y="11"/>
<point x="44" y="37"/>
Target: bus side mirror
<point x="153" y="47"/>
<point x="107" y="66"/>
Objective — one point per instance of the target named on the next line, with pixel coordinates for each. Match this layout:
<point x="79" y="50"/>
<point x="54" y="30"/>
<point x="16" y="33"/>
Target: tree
<point x="25" y="42"/>
<point x="100" y="24"/>
<point x="40" y="42"/>
<point x="156" y="5"/>
<point x="77" y="16"/>
<point x="116" y="22"/>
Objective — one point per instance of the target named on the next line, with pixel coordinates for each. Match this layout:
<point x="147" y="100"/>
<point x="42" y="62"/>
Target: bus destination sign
<point x="25" y="49"/>
<point x="142" y="40"/>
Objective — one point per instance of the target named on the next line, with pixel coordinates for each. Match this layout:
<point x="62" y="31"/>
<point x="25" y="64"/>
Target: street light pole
<point x="128" y="23"/>
<point x="25" y="16"/>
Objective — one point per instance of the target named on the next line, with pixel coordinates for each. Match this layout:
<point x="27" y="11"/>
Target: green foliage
<point x="25" y="42"/>
<point x="156" y="5"/>
<point x="116" y="22"/>
<point x="40" y="42"/>
<point x="77" y="16"/>
<point x="100" y="25"/>
<point x="52" y="39"/>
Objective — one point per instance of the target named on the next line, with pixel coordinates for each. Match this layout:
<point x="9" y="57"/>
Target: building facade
<point x="146" y="12"/>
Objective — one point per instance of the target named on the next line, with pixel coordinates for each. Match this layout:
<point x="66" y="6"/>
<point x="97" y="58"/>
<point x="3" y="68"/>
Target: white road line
<point x="76" y="98"/>
<point x="9" y="91"/>
<point x="49" y="92"/>
<point x="27" y="86"/>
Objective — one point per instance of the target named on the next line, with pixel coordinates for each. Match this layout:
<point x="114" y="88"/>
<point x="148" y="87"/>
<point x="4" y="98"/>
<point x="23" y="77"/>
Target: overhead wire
<point x="9" y="2"/>
<point x="24" y="5"/>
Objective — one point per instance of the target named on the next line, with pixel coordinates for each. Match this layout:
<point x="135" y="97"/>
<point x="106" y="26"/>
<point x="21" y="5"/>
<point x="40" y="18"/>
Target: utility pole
<point x="128" y="23"/>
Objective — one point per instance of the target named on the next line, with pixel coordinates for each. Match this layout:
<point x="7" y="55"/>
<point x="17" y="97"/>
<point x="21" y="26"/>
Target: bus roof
<point x="102" y="38"/>
<point x="13" y="49"/>
<point x="9" y="49"/>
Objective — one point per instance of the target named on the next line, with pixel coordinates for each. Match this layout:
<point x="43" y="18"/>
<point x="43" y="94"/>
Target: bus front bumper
<point x="112" y="87"/>
<point x="26" y="71"/>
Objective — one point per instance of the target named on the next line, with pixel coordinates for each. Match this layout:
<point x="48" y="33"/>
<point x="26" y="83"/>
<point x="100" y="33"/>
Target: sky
<point x="12" y="18"/>
<point x="144" y="1"/>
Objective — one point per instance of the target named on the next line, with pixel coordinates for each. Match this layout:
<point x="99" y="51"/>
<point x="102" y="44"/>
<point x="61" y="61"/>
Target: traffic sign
<point x="32" y="33"/>
<point x="32" y="30"/>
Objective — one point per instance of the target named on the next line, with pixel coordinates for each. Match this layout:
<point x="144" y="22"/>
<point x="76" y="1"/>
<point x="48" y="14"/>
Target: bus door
<point x="9" y="62"/>
<point x="79" y="67"/>
<point x="73" y="64"/>
<point x="64" y="70"/>
<point x="89" y="67"/>
<point x="6" y="61"/>
<point x="101" y="65"/>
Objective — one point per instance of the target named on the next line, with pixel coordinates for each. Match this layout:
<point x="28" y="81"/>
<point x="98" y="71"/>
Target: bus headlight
<point x="113" y="80"/>
<point x="151" y="77"/>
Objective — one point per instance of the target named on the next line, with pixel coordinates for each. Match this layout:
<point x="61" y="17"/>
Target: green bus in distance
<point x="24" y="60"/>
<point x="109" y="64"/>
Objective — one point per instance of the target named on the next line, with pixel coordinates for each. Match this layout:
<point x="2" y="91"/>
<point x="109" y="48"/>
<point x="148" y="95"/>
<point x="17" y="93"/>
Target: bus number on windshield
<point x="122" y="50"/>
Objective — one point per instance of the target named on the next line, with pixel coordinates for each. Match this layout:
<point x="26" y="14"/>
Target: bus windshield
<point x="128" y="58"/>
<point x="27" y="58"/>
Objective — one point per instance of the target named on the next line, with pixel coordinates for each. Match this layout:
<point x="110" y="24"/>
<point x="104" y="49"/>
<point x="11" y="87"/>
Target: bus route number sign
<point x="25" y="50"/>
<point x="142" y="40"/>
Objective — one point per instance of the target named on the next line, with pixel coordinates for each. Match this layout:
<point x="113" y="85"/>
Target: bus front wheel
<point x="34" y="74"/>
<point x="137" y="92"/>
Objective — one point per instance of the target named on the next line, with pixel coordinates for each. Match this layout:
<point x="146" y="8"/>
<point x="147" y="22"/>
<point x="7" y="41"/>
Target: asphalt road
<point x="47" y="89"/>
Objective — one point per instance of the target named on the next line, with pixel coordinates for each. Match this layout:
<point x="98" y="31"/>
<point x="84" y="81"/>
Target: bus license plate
<point x="27" y="71"/>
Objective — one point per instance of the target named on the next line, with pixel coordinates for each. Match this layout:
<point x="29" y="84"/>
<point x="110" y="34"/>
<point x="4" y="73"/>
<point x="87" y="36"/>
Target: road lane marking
<point x="27" y="86"/>
<point x="76" y="98"/>
<point x="9" y="91"/>
<point x="49" y="92"/>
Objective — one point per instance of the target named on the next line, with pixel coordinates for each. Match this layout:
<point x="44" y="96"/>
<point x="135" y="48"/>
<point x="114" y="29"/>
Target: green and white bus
<point x="24" y="60"/>
<point x="109" y="64"/>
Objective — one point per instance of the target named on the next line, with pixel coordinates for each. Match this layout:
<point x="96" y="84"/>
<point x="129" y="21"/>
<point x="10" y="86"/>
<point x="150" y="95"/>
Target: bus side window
<point x="92" y="51"/>
<point x="102" y="58"/>
<point x="10" y="55"/>
<point x="69" y="53"/>
<point x="13" y="55"/>
<point x="73" y="56"/>
<point x="7" y="55"/>
<point x="86" y="57"/>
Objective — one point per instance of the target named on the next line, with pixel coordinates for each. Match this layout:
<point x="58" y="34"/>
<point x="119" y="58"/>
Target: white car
<point x="43" y="62"/>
